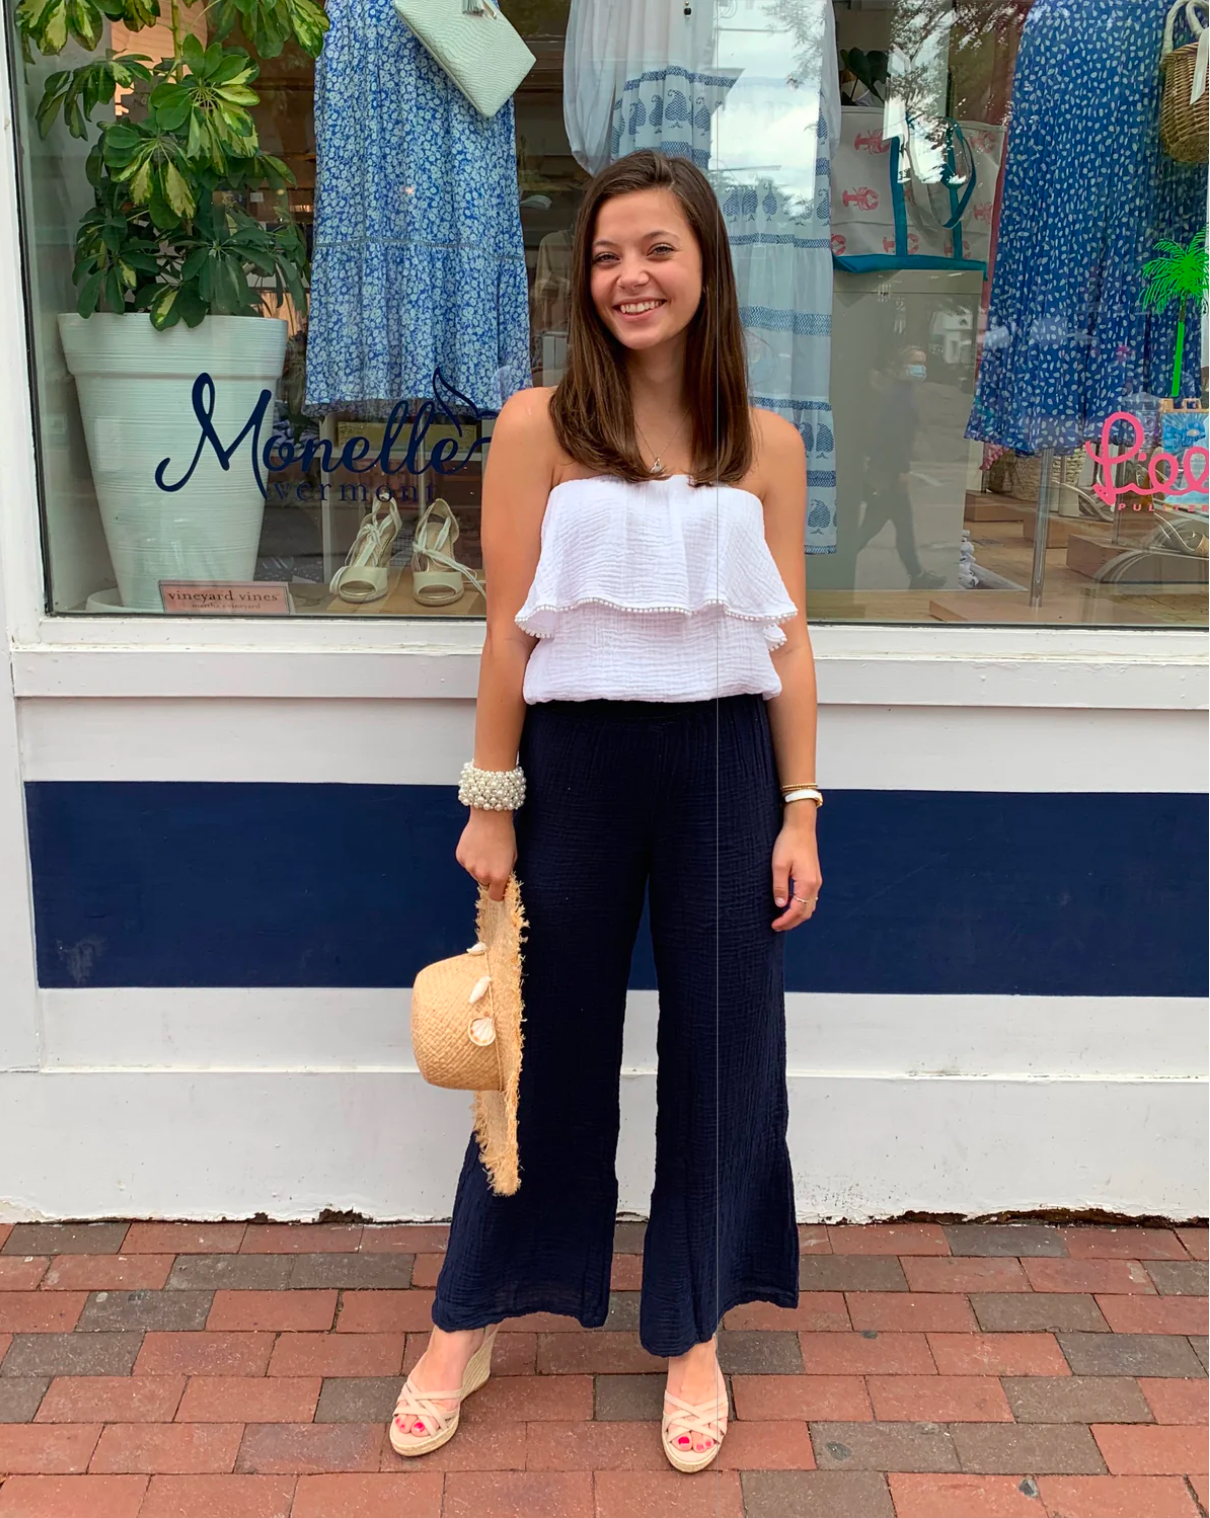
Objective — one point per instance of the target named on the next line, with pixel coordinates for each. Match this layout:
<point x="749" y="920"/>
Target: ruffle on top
<point x="653" y="591"/>
<point x="659" y="546"/>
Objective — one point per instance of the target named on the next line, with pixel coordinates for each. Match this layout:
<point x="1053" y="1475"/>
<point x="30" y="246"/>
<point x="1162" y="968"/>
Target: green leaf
<point x="193" y="53"/>
<point x="176" y="190"/>
<point x="235" y="62"/>
<point x="172" y="104"/>
<point x="193" y="264"/>
<point x="192" y="308"/>
<point x="140" y="185"/>
<point x="308" y="24"/>
<point x="54" y="33"/>
<point x="48" y="108"/>
<point x="163" y="217"/>
<point x="163" y="309"/>
<point x="85" y="22"/>
<point x="90" y="291"/>
<point x="238" y="94"/>
<point x="120" y="142"/>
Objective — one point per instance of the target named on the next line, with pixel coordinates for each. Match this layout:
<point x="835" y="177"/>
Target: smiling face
<point x="646" y="268"/>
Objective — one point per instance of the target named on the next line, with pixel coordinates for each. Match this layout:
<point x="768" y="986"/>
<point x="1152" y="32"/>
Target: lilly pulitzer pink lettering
<point x="1164" y="469"/>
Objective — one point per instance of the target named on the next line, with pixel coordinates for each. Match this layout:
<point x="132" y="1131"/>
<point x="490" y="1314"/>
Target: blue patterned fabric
<point x="670" y="110"/>
<point x="781" y="248"/>
<point x="1087" y="192"/>
<point x="418" y="260"/>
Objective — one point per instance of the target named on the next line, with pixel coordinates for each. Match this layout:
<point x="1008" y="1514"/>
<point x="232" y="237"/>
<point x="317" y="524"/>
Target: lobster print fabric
<point x="879" y="223"/>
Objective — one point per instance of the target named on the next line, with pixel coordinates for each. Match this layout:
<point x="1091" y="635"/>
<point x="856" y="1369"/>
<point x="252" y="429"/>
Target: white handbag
<point x="474" y="43"/>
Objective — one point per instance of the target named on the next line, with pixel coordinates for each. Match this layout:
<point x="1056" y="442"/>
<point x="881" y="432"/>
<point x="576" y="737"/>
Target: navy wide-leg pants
<point x="678" y="800"/>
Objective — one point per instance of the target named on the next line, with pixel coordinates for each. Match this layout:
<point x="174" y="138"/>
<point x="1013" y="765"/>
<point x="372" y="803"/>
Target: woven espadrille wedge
<point x="688" y="1424"/>
<point x="439" y="1424"/>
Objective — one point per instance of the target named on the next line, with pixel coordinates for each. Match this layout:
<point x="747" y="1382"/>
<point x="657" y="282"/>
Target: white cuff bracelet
<point x="491" y="790"/>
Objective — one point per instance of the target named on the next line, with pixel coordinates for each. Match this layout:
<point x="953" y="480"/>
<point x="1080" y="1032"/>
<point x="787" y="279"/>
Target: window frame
<point x="65" y="655"/>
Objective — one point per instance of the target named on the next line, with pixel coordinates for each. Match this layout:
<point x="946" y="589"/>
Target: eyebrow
<point x="605" y="242"/>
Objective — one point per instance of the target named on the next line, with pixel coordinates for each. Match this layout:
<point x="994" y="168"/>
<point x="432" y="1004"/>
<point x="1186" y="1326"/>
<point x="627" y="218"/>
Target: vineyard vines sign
<point x="271" y="453"/>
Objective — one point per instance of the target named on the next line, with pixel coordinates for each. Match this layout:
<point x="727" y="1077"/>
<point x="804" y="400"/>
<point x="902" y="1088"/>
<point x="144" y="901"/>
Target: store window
<point x="282" y="272"/>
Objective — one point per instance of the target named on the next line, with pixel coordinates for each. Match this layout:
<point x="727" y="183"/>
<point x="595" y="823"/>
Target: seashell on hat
<point x="466" y="1029"/>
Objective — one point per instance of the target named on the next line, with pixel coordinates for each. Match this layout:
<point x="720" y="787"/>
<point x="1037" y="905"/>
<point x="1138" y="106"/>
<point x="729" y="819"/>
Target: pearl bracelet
<point x="491" y="790"/>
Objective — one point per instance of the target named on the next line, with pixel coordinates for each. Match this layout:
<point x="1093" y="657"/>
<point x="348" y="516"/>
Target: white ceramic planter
<point x="135" y="390"/>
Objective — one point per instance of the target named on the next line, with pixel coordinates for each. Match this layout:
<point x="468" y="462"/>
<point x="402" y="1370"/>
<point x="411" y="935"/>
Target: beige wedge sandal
<point x="440" y="1424"/>
<point x="687" y="1424"/>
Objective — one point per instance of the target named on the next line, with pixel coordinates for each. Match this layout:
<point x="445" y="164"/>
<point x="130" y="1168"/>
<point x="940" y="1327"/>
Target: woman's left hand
<point x="796" y="873"/>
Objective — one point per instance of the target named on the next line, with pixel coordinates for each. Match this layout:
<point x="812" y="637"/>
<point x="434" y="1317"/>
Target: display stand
<point x="1037" y="576"/>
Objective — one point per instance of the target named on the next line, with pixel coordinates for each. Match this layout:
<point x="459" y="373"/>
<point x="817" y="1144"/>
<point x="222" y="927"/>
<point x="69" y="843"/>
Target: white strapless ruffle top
<point x="653" y="591"/>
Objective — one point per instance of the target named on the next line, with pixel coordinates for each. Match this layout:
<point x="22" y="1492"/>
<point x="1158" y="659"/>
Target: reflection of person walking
<point x="894" y="421"/>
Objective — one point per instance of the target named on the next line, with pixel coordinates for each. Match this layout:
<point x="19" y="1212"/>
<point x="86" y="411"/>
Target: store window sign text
<point x="1166" y="483"/>
<point x="273" y="453"/>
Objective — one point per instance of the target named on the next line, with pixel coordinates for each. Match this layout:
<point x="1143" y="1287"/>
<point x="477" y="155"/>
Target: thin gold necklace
<point x="657" y="463"/>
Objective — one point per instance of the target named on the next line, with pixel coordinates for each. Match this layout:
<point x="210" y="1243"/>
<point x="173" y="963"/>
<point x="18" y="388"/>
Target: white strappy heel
<point x="693" y="1422"/>
<point x="438" y="579"/>
<point x="440" y="1424"/>
<point x="363" y="575"/>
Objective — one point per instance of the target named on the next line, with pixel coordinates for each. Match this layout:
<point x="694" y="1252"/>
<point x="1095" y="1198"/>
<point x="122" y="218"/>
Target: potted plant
<point x="171" y="271"/>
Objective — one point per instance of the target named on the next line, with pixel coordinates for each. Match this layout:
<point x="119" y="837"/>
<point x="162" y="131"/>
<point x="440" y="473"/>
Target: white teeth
<point x="636" y="308"/>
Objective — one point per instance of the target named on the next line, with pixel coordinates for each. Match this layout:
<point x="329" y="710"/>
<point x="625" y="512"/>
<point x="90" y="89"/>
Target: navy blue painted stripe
<point x="356" y="885"/>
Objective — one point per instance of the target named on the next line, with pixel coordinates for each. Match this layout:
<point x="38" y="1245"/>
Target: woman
<point x="647" y="660"/>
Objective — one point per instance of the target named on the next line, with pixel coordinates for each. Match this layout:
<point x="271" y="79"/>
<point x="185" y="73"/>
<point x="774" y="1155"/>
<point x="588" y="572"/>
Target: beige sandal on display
<point x="687" y="1424"/>
<point x="363" y="575"/>
<point x="437" y="577"/>
<point x="440" y="1424"/>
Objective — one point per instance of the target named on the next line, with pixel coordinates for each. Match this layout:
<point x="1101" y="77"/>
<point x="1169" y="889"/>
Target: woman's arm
<point x="782" y="469"/>
<point x="516" y="483"/>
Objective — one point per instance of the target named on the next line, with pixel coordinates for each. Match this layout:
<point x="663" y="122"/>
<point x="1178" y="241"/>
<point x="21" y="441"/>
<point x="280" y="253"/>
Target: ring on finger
<point x="806" y="900"/>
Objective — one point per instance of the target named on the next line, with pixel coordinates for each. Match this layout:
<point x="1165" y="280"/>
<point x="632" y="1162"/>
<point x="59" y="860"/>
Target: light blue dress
<point x="1087" y="191"/>
<point x="418" y="262"/>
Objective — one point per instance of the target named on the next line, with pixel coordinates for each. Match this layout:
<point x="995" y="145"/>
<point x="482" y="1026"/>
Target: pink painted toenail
<point x="683" y="1441"/>
<point x="418" y="1428"/>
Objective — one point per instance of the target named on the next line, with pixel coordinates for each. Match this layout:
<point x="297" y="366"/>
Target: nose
<point x="632" y="275"/>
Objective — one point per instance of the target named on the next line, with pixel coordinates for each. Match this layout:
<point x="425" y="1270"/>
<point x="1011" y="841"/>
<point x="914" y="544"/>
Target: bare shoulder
<point x="525" y="418"/>
<point x="780" y="460"/>
<point x="778" y="442"/>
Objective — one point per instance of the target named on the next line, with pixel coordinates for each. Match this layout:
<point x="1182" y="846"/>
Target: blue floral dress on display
<point x="418" y="263"/>
<point x="1087" y="192"/>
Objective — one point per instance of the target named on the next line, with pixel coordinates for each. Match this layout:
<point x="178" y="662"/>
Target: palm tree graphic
<point x="1179" y="273"/>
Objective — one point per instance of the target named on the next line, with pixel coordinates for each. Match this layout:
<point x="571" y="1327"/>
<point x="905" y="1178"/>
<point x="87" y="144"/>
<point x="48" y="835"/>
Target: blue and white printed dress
<point x="418" y="263"/>
<point x="1087" y="192"/>
<point x="757" y="108"/>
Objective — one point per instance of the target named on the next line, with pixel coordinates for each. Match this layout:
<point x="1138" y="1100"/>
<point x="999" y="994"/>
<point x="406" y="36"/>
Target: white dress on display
<point x="750" y="92"/>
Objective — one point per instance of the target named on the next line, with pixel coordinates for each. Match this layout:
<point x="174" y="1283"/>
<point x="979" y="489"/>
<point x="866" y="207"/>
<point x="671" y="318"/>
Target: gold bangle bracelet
<point x="803" y="785"/>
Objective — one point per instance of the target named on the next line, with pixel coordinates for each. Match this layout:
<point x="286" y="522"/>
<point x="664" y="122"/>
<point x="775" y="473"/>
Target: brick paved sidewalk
<point x="249" y="1371"/>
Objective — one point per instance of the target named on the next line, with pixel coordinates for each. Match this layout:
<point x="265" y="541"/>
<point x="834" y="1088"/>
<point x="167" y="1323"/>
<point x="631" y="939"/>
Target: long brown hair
<point x="592" y="409"/>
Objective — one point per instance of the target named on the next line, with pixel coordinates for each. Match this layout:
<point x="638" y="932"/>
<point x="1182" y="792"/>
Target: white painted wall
<point x="223" y="1103"/>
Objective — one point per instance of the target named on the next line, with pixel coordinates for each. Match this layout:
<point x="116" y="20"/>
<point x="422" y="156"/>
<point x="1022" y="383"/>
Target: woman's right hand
<point x="487" y="849"/>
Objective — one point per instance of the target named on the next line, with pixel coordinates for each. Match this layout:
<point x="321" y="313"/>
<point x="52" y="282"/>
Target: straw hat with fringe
<point x="466" y="1030"/>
